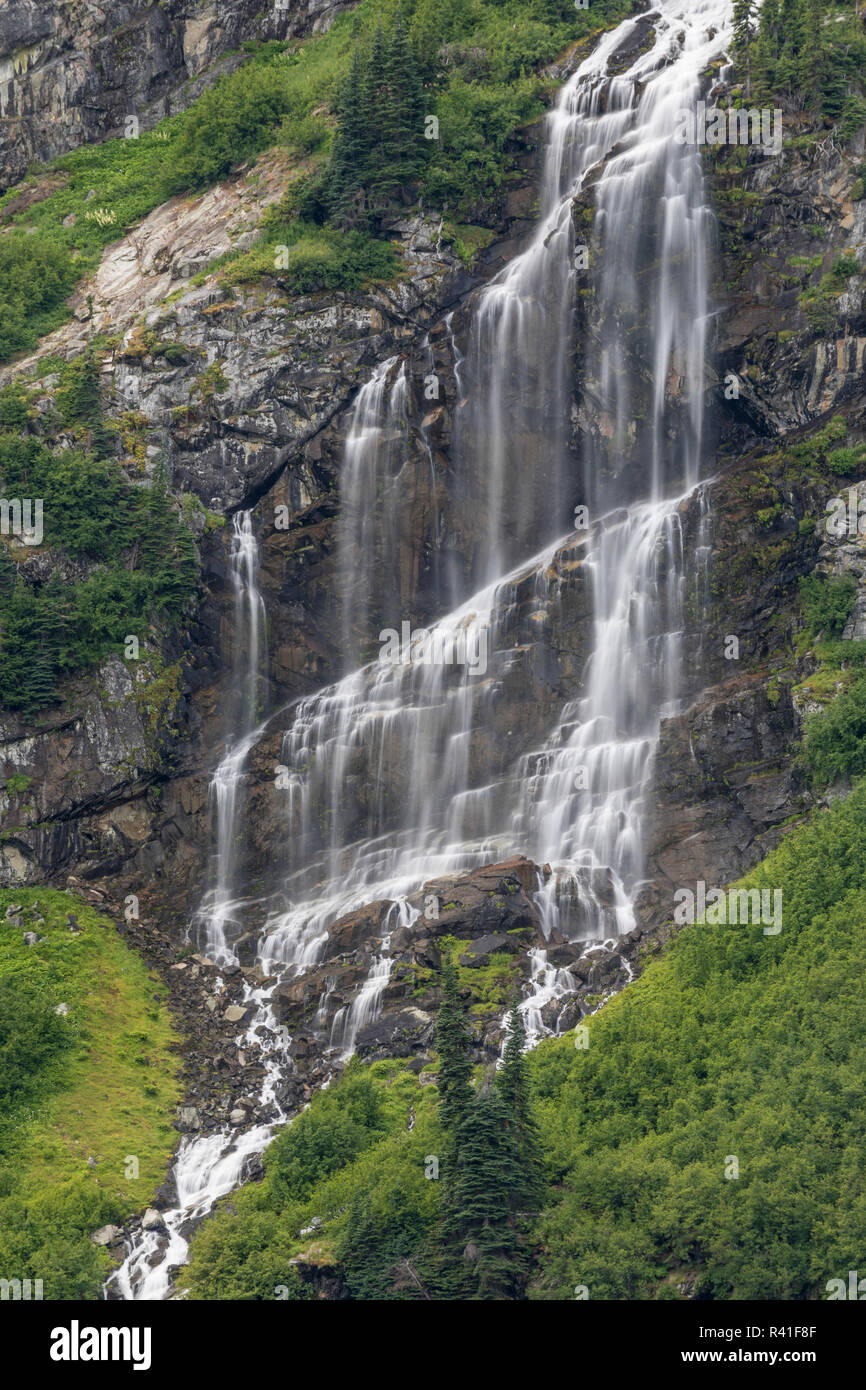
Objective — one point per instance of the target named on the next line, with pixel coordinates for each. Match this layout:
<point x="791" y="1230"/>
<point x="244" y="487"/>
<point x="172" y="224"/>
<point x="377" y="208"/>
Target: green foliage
<point x="807" y="55"/>
<point x="344" y="1181"/>
<point x="734" y="1044"/>
<point x="452" y="1043"/>
<point x="36" y="275"/>
<point x="834" y="739"/>
<point x="73" y="1087"/>
<point x="144" y="564"/>
<point x="493" y="1175"/>
<point x="482" y="1254"/>
<point x="31" y="1036"/>
<point x="78" y="399"/>
<point x="235" y="119"/>
<point x="306" y="258"/>
<point x="821" y="450"/>
<point x="379" y="147"/>
<point x="827" y="603"/>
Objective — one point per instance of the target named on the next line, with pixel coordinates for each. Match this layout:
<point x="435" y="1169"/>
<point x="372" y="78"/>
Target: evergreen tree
<point x="349" y="160"/>
<point x="512" y="1083"/>
<point x="766" y="51"/>
<point x="8" y="573"/>
<point x="485" y="1257"/>
<point x="744" y="34"/>
<point x="453" y="1041"/>
<point x="379" y="146"/>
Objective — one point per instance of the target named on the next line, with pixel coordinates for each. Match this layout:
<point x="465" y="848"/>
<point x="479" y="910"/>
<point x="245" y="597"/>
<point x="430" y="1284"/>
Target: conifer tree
<point x="512" y="1083"/>
<point x="744" y="34"/>
<point x="350" y="157"/>
<point x="8" y="573"/>
<point x="455" y="1064"/>
<point x="486" y="1258"/>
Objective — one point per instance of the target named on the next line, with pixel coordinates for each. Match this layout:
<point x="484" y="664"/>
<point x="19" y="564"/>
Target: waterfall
<point x="370" y="506"/>
<point x="402" y="762"/>
<point x="483" y="736"/>
<point x="219" y="908"/>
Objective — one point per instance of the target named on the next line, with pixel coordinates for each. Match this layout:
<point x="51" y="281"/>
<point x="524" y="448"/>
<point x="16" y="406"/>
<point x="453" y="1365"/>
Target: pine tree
<point x="512" y="1083"/>
<point x="485" y="1256"/>
<point x="379" y="112"/>
<point x="404" y="138"/>
<point x="744" y="34"/>
<point x="350" y="158"/>
<point x="766" y="53"/>
<point x="453" y="1041"/>
<point x="8" y="573"/>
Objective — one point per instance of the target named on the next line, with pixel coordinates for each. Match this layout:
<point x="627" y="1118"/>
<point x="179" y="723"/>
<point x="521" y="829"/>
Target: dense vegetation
<point x="133" y="558"/>
<point x="474" y="68"/>
<point x="83" y="1091"/>
<point x="711" y="1130"/>
<point x="737" y="1046"/>
<point x="414" y="1190"/>
<point x="805" y="55"/>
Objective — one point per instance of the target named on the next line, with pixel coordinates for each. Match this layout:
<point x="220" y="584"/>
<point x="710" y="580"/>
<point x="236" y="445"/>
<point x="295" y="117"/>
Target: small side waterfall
<point x="218" y="911"/>
<point x="370" y="506"/>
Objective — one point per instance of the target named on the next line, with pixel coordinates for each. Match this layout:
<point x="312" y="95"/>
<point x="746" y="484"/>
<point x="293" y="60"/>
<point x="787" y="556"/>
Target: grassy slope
<point x="109" y="1096"/>
<point x="735" y="1044"/>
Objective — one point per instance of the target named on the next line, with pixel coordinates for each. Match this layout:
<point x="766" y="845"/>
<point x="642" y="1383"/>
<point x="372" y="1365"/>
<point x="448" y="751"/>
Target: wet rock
<point x="400" y="1033"/>
<point x="479" y="953"/>
<point x="152" y="1220"/>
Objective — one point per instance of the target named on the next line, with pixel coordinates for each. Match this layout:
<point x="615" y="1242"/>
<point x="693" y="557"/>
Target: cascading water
<point x="218" y="911"/>
<point x="207" y="1168"/>
<point x="420" y="765"/>
<point x="397" y="759"/>
<point x="370" y="495"/>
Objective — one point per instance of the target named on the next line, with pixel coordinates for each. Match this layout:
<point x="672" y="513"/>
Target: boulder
<point x="480" y="951"/>
<point x="106" y="1235"/>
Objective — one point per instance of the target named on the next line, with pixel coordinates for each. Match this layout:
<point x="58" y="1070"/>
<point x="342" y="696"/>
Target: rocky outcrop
<point x="73" y="73"/>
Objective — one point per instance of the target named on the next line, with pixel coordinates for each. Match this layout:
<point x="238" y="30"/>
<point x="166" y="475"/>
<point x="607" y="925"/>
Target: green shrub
<point x="31" y="1037"/>
<point x="36" y="275"/>
<point x="738" y="1044"/>
<point x="234" y="120"/>
<point x="146" y="566"/>
<point x="827" y="603"/>
<point x="834" y="739"/>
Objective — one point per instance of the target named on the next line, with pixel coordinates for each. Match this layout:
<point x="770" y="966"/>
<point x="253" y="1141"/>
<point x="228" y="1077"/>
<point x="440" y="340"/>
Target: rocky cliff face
<point x="74" y="71"/>
<point x="118" y="796"/>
